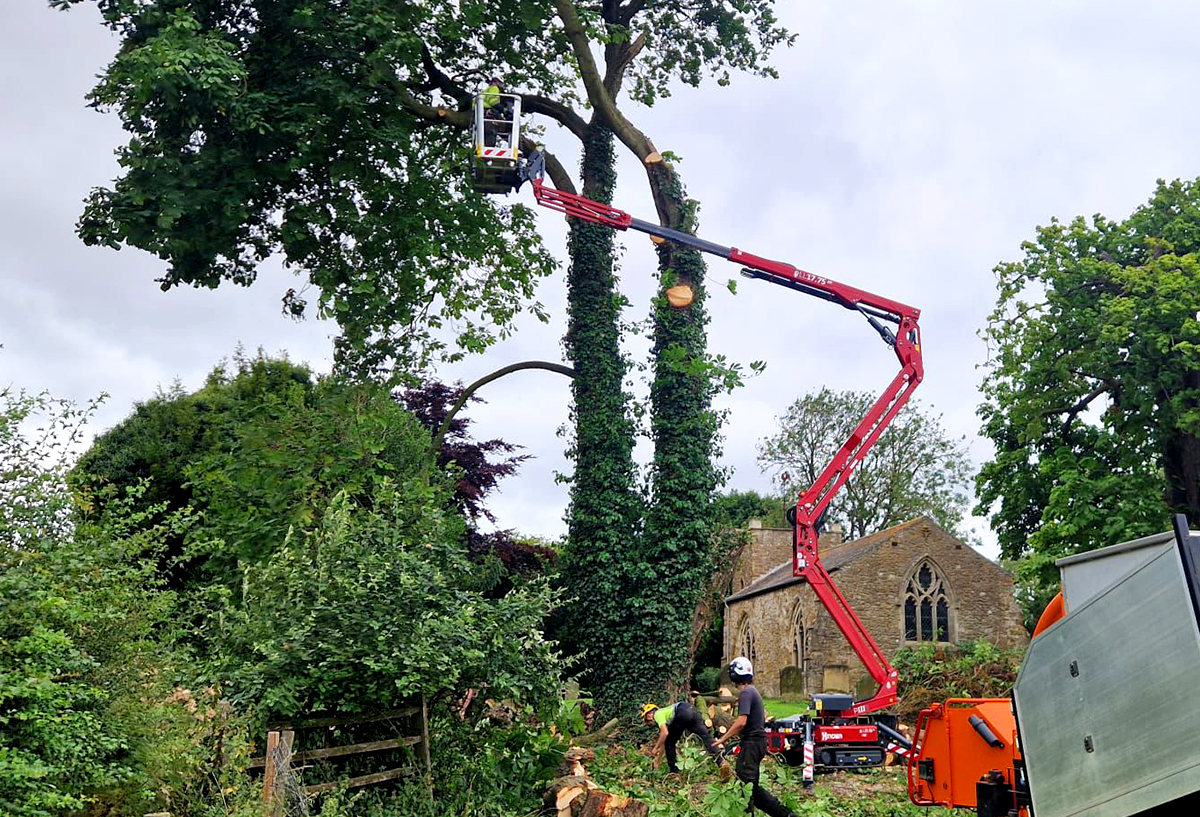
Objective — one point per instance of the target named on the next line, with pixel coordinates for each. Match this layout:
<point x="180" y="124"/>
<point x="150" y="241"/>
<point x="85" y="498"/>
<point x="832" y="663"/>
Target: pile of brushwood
<point x="932" y="673"/>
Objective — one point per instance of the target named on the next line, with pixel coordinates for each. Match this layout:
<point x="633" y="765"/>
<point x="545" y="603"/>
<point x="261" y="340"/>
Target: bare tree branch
<point x="618" y="57"/>
<point x="658" y="172"/>
<point x="629" y="11"/>
<point x="436" y="445"/>
<point x="558" y="173"/>
<point x="433" y="113"/>
<point x="598" y="95"/>
<point x="557" y="111"/>
<point x="1075" y="410"/>
<point x="440" y="80"/>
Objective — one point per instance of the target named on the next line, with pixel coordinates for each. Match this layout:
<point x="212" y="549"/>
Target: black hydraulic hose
<point x="985" y="732"/>
<point x="896" y="737"/>
<point x="679" y="237"/>
<point x="884" y="332"/>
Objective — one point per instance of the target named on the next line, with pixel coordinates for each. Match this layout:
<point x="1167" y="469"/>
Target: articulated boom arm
<point x="905" y="341"/>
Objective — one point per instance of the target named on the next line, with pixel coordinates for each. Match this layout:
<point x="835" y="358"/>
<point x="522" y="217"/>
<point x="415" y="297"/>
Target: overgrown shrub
<point x="89" y="713"/>
<point x="56" y="744"/>
<point x="374" y="605"/>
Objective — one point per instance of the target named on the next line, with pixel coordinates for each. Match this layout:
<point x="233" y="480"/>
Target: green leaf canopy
<point x="1092" y="396"/>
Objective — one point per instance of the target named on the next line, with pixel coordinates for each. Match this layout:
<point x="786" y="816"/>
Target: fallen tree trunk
<point x="575" y="794"/>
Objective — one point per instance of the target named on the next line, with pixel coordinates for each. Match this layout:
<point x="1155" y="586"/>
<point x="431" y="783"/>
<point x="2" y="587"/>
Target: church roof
<point x="836" y="557"/>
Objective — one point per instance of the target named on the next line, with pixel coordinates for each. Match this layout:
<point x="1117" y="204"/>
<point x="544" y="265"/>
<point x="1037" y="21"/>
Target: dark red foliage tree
<point x="481" y="465"/>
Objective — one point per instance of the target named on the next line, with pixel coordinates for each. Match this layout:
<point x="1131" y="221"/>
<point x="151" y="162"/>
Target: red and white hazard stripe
<point x="809" y="761"/>
<point x="898" y="750"/>
<point x="494" y="152"/>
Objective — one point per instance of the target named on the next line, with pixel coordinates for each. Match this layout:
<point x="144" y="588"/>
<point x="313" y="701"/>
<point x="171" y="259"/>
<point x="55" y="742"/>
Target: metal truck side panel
<point x="1110" y="719"/>
<point x="1086" y="575"/>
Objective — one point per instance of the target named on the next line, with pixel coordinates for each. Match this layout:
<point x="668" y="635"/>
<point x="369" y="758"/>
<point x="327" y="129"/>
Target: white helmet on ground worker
<point x="741" y="671"/>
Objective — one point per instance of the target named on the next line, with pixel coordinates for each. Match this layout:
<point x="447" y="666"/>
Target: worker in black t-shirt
<point x="750" y="724"/>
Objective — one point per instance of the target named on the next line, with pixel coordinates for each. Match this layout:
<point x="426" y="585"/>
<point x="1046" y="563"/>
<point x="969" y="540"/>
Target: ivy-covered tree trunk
<point x="605" y="509"/>
<point x="677" y="547"/>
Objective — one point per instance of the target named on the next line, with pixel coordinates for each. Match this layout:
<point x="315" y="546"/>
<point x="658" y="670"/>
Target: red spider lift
<point x="843" y="732"/>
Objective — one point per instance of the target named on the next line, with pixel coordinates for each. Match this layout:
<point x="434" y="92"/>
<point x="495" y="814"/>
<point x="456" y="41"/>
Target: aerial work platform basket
<point x="496" y="142"/>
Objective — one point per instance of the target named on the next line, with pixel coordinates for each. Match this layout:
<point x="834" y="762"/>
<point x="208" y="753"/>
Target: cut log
<point x="573" y="760"/>
<point x="580" y="753"/>
<point x="722" y="719"/>
<point x="564" y="791"/>
<point x="565" y="796"/>
<point x="602" y="804"/>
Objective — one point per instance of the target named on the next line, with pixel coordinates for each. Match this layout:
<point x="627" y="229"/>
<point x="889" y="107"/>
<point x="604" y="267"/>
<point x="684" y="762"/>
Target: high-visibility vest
<point x="491" y="96"/>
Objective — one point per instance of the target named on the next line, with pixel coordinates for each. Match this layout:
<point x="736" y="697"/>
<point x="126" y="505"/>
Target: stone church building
<point x="909" y="584"/>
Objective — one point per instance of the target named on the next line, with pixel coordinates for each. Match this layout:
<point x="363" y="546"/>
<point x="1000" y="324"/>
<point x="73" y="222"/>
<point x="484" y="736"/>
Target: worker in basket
<point x="750" y="724"/>
<point x="673" y="721"/>
<point x="497" y="110"/>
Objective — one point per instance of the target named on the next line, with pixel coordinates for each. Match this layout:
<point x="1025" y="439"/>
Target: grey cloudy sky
<point x="906" y="149"/>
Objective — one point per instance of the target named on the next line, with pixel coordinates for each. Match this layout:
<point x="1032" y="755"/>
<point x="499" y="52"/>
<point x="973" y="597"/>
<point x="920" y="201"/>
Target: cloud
<point x="906" y="149"/>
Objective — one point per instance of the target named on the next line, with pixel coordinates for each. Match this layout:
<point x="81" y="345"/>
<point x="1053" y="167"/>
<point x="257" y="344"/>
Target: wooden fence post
<point x="268" y="789"/>
<point x="272" y="797"/>
<point x="425" y="745"/>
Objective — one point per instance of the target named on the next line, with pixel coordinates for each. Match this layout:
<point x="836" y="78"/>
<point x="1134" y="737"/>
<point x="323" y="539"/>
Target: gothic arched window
<point x="926" y="605"/>
<point x="800" y="645"/>
<point x="745" y="640"/>
<point x="799" y="637"/>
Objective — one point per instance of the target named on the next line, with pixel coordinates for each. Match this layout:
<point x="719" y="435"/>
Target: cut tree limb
<point x="605" y="732"/>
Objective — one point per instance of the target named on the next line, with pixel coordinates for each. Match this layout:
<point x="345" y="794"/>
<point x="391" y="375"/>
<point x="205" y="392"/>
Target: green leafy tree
<point x="264" y="445"/>
<point x="737" y="508"/>
<point x="332" y="133"/>
<point x="914" y="468"/>
<point x="280" y="129"/>
<point x="1092" y="394"/>
<point x="165" y="436"/>
<point x="78" y="615"/>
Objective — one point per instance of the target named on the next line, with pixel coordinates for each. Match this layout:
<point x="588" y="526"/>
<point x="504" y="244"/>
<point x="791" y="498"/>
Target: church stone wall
<point x="980" y="597"/>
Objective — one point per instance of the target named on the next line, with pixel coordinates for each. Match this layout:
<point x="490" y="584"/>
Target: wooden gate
<point x="279" y="761"/>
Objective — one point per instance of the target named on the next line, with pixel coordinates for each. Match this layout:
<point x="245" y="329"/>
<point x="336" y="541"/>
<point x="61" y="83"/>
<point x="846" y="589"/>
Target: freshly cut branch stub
<point x="680" y="295"/>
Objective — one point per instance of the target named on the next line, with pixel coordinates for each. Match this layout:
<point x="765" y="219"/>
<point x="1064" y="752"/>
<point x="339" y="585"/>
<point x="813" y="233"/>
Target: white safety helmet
<point x="740" y="667"/>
